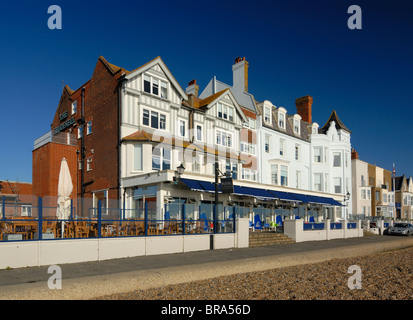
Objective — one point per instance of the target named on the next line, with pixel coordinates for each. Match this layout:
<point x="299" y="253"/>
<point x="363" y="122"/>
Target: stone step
<point x="267" y="238"/>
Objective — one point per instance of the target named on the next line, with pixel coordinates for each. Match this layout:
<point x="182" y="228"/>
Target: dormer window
<point x="267" y="114"/>
<point x="296" y="126"/>
<point x="281" y="120"/>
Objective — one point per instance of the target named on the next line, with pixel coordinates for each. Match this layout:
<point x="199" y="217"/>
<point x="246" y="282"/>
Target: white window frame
<point x="201" y="132"/>
<point x="80" y="132"/>
<point x="89" y="161"/>
<point x="89" y="127"/>
<point x="282" y="147"/>
<point x="267" y="115"/>
<point x="281" y="120"/>
<point x="225" y="111"/>
<point x="159" y="122"/>
<point x="137" y="152"/>
<point x="74" y="107"/>
<point x="153" y="82"/>
<point x="185" y="133"/>
<point x="320" y="156"/>
<point x="247" y="147"/>
<point x="297" y="126"/>
<point x="318" y="183"/>
<point x="229" y="137"/>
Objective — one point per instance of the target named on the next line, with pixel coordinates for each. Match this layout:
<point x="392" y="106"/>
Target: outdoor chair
<point x="81" y="229"/>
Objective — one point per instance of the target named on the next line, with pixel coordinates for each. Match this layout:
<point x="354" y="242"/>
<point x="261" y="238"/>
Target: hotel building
<point x="125" y="133"/>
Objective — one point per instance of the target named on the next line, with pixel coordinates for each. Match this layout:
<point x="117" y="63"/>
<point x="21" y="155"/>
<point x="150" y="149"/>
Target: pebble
<point x="384" y="276"/>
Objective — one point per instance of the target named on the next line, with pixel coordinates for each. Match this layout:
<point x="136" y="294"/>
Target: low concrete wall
<point x="294" y="229"/>
<point x="49" y="252"/>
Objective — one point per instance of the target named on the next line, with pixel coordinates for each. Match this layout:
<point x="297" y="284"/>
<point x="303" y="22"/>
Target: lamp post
<point x="179" y="171"/>
<point x="346" y="198"/>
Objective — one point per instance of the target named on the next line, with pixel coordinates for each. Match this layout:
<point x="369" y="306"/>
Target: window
<point x="317" y="182"/>
<point x="284" y="175"/>
<point x="363" y="182"/>
<point x="182" y="128"/>
<point x="248" y="147"/>
<point x="248" y="174"/>
<point x="267" y="114"/>
<point x="274" y="174"/>
<point x="89" y="127"/>
<point x="317" y="154"/>
<point x="199" y="132"/>
<point x="282" y="145"/>
<point x="162" y="121"/>
<point x="161" y="158"/>
<point x="337" y="185"/>
<point x="231" y="169"/>
<point x="363" y="194"/>
<point x="74" y="107"/>
<point x="377" y="195"/>
<point x="296" y="126"/>
<point x="368" y="195"/>
<point x="89" y="164"/>
<point x="384" y="197"/>
<point x="297" y="152"/>
<point x="225" y="112"/>
<point x="223" y="138"/>
<point x="267" y="144"/>
<point x="164" y="90"/>
<point x="145" y="119"/>
<point x="80" y="132"/>
<point x="155" y="86"/>
<point x="250" y="124"/>
<point x="154" y="119"/>
<point x="337" y="159"/>
<point x="147" y="84"/>
<point x="137" y="163"/>
<point x="298" y="179"/>
<point x="281" y="120"/>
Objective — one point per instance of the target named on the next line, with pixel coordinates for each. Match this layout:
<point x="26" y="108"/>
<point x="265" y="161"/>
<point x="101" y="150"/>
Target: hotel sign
<point x="227" y="185"/>
<point x="64" y="125"/>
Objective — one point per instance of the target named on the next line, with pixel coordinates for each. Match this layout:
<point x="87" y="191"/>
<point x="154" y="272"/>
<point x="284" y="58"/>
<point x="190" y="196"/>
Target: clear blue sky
<point x="294" y="48"/>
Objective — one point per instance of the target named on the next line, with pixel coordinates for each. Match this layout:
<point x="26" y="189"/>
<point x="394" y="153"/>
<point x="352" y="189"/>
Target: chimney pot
<point x="192" y="88"/>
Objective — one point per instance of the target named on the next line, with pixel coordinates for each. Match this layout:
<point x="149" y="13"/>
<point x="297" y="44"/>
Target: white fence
<point x="295" y="229"/>
<point x="18" y="254"/>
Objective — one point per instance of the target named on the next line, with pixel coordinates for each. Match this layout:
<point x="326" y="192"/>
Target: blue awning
<point x="285" y="196"/>
<point x="192" y="184"/>
<point x="208" y="186"/>
<point x="261" y="194"/>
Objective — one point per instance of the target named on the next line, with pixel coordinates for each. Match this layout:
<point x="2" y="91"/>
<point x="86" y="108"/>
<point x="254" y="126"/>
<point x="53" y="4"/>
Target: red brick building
<point x="85" y="131"/>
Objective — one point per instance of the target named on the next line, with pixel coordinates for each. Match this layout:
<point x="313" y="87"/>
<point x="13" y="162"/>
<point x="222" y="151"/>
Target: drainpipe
<point x="82" y="152"/>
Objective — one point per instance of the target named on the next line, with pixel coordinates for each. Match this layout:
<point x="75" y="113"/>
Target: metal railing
<point x="43" y="224"/>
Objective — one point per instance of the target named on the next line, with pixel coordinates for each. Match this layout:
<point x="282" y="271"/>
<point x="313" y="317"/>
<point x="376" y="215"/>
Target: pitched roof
<point x="339" y="124"/>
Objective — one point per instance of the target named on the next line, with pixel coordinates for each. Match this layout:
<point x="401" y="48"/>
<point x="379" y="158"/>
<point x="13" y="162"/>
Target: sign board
<point x="64" y="125"/>
<point x="227" y="185"/>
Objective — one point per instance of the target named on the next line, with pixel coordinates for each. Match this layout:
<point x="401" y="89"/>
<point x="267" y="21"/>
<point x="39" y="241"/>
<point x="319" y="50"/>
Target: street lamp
<point x="179" y="171"/>
<point x="346" y="198"/>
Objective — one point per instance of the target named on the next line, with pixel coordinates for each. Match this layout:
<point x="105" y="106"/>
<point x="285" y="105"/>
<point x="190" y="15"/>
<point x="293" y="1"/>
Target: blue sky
<point x="294" y="48"/>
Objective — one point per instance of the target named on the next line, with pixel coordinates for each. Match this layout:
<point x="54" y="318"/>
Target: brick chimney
<point x="192" y="88"/>
<point x="303" y="105"/>
<point x="354" y="154"/>
<point x="240" y="74"/>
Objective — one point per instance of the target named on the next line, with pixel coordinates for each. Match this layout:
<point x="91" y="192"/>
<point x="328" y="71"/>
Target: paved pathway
<point x="86" y="280"/>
